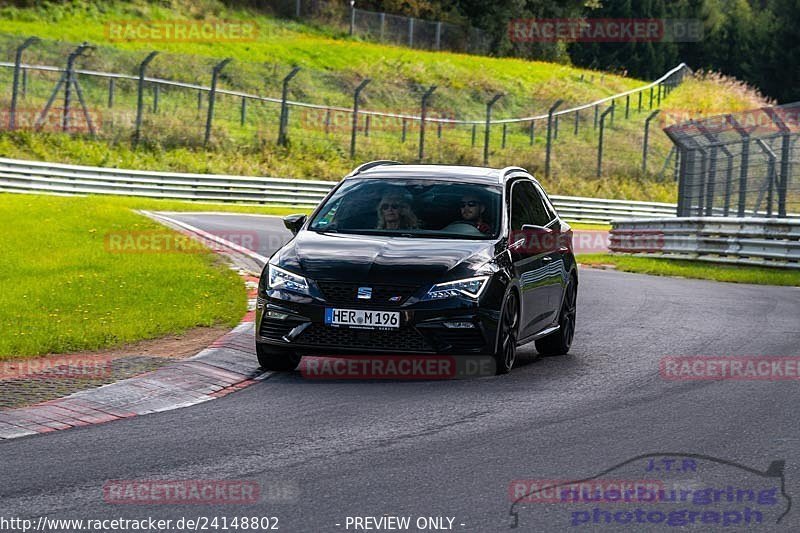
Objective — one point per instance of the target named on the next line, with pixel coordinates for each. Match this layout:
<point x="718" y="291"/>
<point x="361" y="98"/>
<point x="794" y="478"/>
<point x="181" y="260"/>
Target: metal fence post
<point x="212" y="96"/>
<point x="711" y="181"/>
<point x="600" y="140"/>
<point x="12" y="115"/>
<point x="243" y="112"/>
<point x="532" y="132"/>
<point x="354" y="130"/>
<point x="660" y="85"/>
<point x="489" y="105"/>
<point x="111" y="92"/>
<point x="702" y="185"/>
<point x="70" y="83"/>
<point x="405" y="130"/>
<point x="555" y="127"/>
<point x="505" y="132"/>
<point x="770" y="177"/>
<point x="156" y="91"/>
<point x="596" y="115"/>
<point x="646" y="141"/>
<point x="411" y="32"/>
<point x="651" y="98"/>
<point x="640" y="102"/>
<point x="683" y="156"/>
<point x="745" y="161"/>
<point x="627" y="106"/>
<point x="422" y="116"/>
<point x="577" y="122"/>
<point x="785" y="159"/>
<point x="140" y="96"/>
<point x="352" y="16"/>
<point x="438" y="35"/>
<point x="549" y="145"/>
<point x="474" y="134"/>
<point x="383" y="25"/>
<point x="284" y="118"/>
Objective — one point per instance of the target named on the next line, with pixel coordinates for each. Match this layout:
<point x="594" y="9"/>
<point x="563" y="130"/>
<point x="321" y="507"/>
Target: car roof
<point x="489" y="176"/>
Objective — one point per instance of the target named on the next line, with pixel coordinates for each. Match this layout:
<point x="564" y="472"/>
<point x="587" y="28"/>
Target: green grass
<point x="590" y="226"/>
<point x="64" y="291"/>
<point x="693" y="269"/>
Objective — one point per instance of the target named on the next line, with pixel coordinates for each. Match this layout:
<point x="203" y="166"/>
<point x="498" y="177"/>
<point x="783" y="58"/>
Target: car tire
<point x="276" y="359"/>
<point x="506" y="352"/>
<point x="559" y="343"/>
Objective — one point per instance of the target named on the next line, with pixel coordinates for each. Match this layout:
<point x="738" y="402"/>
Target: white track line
<point x="206" y="235"/>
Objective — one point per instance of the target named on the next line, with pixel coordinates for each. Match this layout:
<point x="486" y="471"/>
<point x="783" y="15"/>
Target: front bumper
<point x="296" y="322"/>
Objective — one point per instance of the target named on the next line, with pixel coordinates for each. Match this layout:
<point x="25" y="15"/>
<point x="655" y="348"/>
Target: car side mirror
<point x="294" y="222"/>
<point x="532" y="240"/>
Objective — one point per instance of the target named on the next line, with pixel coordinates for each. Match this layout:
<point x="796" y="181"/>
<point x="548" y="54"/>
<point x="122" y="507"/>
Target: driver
<point x="394" y="212"/>
<point x="472" y="211"/>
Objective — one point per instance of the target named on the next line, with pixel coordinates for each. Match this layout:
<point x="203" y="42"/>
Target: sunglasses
<point x="470" y="203"/>
<point x="384" y="207"/>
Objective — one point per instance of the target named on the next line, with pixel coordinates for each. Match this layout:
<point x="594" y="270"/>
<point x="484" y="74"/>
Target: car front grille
<point x="405" y="339"/>
<point x="382" y="295"/>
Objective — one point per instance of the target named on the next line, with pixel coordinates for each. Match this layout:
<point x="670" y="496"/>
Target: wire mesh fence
<point x="740" y="164"/>
<point x="179" y="100"/>
<point x="385" y="27"/>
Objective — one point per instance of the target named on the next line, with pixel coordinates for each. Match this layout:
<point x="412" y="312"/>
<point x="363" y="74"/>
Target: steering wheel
<point x="462" y="227"/>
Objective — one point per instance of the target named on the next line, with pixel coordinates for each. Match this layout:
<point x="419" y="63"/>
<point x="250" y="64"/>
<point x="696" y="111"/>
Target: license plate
<point x="362" y="318"/>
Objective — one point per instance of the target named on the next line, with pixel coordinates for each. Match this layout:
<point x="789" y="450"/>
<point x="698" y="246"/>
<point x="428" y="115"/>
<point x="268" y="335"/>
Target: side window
<point x="520" y="213"/>
<point x="548" y="206"/>
<point x="527" y="206"/>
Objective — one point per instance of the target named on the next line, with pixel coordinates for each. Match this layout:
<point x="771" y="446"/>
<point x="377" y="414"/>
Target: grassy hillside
<point x="332" y="65"/>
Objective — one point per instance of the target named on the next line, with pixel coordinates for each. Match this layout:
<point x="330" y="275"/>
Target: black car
<point x="421" y="259"/>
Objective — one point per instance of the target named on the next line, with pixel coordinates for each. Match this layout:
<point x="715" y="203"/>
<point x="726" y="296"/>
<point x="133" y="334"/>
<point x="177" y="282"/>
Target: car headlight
<point x="285" y="280"/>
<point x="469" y="287"/>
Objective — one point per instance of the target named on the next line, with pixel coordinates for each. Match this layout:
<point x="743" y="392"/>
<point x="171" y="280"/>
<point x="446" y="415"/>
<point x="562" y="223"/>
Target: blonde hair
<point x="408" y="220"/>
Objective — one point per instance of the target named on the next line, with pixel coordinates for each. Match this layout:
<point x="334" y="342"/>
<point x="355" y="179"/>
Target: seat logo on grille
<point x="364" y="293"/>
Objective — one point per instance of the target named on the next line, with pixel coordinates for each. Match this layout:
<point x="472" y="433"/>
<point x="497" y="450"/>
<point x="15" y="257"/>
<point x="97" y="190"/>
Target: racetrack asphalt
<point x="321" y="451"/>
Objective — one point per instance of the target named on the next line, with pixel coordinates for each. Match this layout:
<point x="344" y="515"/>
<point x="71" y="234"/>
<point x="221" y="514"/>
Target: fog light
<point x="459" y="325"/>
<point x="277" y="315"/>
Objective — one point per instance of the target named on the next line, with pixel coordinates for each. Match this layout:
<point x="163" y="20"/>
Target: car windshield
<point x="430" y="208"/>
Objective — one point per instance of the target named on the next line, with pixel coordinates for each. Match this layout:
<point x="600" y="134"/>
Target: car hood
<point x="380" y="259"/>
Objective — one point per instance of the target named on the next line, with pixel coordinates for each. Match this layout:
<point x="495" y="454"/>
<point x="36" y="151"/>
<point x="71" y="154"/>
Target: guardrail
<point x="747" y="241"/>
<point x="55" y="178"/>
